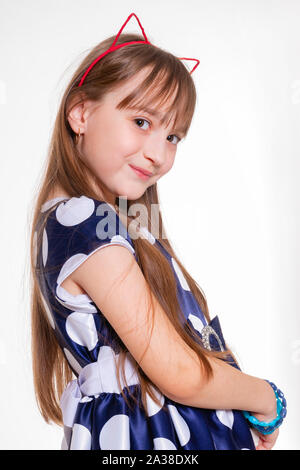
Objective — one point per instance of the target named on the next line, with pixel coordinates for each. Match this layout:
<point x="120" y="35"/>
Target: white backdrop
<point x="235" y="175"/>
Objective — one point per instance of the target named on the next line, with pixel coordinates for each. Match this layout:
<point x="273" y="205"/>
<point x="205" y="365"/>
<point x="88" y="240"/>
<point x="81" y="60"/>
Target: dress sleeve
<point x="74" y="231"/>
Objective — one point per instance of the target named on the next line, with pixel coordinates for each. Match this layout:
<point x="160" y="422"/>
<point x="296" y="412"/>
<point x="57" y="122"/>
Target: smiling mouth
<point x="140" y="173"/>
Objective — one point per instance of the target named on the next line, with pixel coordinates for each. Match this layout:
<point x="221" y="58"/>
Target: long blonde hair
<point x="65" y="168"/>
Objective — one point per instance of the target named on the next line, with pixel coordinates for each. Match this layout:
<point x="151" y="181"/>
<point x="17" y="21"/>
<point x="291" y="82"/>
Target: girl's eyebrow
<point x="147" y="110"/>
<point x="156" y="114"/>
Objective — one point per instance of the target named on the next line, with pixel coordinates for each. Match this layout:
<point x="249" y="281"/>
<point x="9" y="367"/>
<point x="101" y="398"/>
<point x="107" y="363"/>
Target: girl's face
<point x="115" y="140"/>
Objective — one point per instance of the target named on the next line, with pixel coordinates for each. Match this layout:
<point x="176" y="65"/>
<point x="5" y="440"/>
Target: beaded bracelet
<point x="268" y="428"/>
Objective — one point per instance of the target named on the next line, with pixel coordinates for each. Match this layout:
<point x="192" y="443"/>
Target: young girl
<point x="125" y="355"/>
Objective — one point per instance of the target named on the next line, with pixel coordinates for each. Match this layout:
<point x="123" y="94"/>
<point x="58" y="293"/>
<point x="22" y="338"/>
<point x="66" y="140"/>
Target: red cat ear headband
<point x="113" y="48"/>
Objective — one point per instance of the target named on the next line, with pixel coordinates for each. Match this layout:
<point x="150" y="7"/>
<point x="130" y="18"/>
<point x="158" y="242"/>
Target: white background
<point x="230" y="203"/>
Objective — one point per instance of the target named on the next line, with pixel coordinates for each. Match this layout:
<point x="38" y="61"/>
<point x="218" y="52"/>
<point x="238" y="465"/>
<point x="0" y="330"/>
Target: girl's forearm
<point x="229" y="388"/>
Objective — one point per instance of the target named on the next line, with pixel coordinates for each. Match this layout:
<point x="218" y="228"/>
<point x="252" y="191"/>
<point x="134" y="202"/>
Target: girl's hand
<point x="266" y="441"/>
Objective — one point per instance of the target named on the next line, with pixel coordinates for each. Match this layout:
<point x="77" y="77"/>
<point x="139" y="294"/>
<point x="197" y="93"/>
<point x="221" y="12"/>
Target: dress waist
<point x="93" y="379"/>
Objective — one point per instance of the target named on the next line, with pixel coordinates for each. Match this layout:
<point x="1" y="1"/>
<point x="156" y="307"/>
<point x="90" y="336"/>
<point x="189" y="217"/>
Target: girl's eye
<point x="178" y="138"/>
<point x="140" y="119"/>
<point x="144" y="120"/>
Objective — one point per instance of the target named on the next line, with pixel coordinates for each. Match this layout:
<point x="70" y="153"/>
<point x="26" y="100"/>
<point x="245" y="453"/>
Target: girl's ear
<point x="76" y="118"/>
<point x="79" y="113"/>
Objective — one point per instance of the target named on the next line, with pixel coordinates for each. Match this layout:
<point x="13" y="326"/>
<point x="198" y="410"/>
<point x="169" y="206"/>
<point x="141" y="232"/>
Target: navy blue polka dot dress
<point x="95" y="414"/>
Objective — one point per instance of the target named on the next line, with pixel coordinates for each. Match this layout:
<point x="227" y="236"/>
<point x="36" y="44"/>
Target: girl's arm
<point x="114" y="281"/>
<point x="229" y="388"/>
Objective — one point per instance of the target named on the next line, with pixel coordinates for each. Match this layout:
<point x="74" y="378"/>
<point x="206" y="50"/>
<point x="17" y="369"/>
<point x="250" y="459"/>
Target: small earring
<point x="77" y="136"/>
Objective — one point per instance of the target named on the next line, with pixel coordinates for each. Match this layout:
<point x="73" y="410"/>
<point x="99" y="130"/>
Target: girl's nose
<point x="154" y="162"/>
<point x="155" y="155"/>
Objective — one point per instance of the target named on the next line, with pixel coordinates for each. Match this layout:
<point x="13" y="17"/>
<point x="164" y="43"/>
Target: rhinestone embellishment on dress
<point x="205" y="333"/>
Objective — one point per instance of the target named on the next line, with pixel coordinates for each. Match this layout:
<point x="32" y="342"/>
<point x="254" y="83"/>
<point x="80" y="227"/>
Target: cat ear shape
<point x="187" y="58"/>
<point x="113" y="47"/>
<point x="143" y="31"/>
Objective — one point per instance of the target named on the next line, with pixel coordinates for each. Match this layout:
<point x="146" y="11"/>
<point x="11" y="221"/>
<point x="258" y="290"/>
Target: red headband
<point x="113" y="48"/>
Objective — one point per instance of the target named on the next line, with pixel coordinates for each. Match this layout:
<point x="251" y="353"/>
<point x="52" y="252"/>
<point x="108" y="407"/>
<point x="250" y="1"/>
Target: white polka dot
<point x="226" y="417"/>
<point x="81" y="438"/>
<point x="182" y="429"/>
<point x="196" y="322"/>
<point x="34" y="241"/>
<point x="48" y="312"/>
<point x="45" y="247"/>
<point x="75" y="211"/>
<point x="81" y="329"/>
<point x="121" y="240"/>
<point x="115" y="434"/>
<point x="152" y="407"/>
<point x="161" y="443"/>
<point x="180" y="275"/>
<point x="72" y="361"/>
<point x="86" y="399"/>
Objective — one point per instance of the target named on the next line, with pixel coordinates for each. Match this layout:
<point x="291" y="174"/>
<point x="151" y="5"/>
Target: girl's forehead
<point x="148" y="100"/>
<point x="128" y="86"/>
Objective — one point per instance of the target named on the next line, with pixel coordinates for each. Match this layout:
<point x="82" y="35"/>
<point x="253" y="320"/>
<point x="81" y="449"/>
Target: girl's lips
<point x="140" y="173"/>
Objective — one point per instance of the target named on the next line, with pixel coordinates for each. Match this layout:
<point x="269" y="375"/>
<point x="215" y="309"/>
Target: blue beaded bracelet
<point x="268" y="428"/>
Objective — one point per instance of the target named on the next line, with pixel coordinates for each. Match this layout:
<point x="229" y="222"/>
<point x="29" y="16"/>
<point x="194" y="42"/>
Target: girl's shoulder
<point x="84" y="222"/>
<point x="75" y="228"/>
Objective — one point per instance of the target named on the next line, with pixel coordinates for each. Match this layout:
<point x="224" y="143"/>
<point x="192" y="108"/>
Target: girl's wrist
<point x="267" y="423"/>
<point x="266" y="404"/>
<point x="271" y="410"/>
<point x="266" y="417"/>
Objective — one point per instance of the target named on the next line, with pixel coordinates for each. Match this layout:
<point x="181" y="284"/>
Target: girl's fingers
<point x="260" y="448"/>
<point x="260" y="445"/>
<point x="267" y="442"/>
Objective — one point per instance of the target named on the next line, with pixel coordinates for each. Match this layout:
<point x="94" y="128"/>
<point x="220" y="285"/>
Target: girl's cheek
<point x="171" y="162"/>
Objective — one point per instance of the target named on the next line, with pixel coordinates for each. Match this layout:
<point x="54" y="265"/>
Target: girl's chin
<point x="132" y="195"/>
